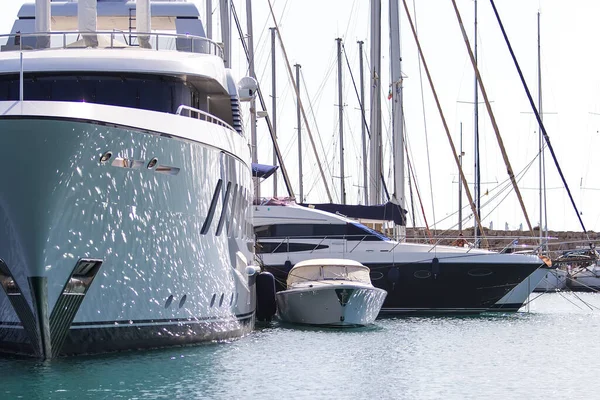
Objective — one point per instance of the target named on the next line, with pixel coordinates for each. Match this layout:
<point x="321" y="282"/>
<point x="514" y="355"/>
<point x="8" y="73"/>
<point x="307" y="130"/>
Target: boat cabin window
<point x="141" y="91"/>
<point x="334" y="272"/>
<point x="360" y="230"/>
<point x="349" y="231"/>
<point x="317" y="272"/>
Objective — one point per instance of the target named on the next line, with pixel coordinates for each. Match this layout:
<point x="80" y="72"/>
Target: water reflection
<point x="522" y="355"/>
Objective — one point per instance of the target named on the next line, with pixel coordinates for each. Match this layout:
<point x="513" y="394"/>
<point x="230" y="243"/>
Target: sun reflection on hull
<point x="62" y="201"/>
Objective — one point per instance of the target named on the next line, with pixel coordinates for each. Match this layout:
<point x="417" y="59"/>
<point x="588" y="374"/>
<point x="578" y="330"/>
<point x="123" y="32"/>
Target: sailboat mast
<point x="274" y="104"/>
<point x="263" y="104"/>
<point x="253" y="138"/>
<point x="397" y="115"/>
<point x="375" y="147"/>
<point x="306" y="125"/>
<point x="543" y="222"/>
<point x="476" y="136"/>
<point x="299" y="122"/>
<point x="364" y="122"/>
<point x="341" y="119"/>
<point x="460" y="157"/>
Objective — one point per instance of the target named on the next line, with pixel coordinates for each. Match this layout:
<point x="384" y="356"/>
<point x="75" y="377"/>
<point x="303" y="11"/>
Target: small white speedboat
<point x="329" y="292"/>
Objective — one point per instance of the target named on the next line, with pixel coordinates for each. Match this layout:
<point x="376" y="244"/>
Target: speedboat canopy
<point x="328" y="269"/>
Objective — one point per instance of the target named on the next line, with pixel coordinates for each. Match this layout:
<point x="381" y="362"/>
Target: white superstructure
<point x="126" y="190"/>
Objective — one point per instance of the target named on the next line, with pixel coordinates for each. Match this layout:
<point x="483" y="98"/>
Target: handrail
<point x="196" y="44"/>
<point x="357" y="244"/>
<point x="318" y="244"/>
<point x="323" y="237"/>
<point x="202" y="115"/>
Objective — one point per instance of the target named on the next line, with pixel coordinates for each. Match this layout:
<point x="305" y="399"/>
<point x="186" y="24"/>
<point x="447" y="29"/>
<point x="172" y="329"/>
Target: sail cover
<point x="382" y="212"/>
<point x="262" y="170"/>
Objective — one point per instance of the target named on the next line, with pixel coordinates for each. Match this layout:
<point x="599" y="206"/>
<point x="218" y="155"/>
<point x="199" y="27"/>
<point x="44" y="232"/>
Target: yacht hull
<point x="330" y="304"/>
<point x="438" y="287"/>
<point x="515" y="299"/>
<point x="104" y="255"/>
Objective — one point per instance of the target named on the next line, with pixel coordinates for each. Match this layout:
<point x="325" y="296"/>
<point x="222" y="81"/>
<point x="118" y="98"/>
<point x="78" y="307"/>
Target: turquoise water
<point x="551" y="351"/>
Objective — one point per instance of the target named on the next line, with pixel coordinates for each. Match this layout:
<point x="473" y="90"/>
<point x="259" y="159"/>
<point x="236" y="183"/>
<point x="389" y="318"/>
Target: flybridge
<point x="177" y="16"/>
<point x="111" y="24"/>
<point x="109" y="40"/>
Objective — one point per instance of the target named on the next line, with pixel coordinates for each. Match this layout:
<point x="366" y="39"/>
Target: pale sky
<point x="571" y="86"/>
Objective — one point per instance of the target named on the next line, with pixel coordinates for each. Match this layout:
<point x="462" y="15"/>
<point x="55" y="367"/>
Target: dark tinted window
<point x="292" y="230"/>
<point x="329" y="230"/>
<point x="264" y="231"/>
<point x="358" y="231"/>
<point x="353" y="231"/>
<point x="301" y="230"/>
<point x="148" y="92"/>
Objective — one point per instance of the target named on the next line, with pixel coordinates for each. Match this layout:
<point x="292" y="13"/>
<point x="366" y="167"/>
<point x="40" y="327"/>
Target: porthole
<point x="169" y="301"/>
<point x="105" y="157"/>
<point x="480" y="272"/>
<point x="182" y="301"/>
<point x="422" y="274"/>
<point x="212" y="301"/>
<point x="221" y="300"/>
<point x="152" y="163"/>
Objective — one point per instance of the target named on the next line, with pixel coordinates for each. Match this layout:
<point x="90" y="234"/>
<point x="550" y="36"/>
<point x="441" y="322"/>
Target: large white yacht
<point x="126" y="185"/>
<point x="419" y="278"/>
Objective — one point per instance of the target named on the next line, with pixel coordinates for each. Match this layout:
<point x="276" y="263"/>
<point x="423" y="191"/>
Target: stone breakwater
<point x="558" y="241"/>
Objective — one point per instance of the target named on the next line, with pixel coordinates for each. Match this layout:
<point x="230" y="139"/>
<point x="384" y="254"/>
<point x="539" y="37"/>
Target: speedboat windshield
<point x="335" y="272"/>
<point x="319" y="272"/>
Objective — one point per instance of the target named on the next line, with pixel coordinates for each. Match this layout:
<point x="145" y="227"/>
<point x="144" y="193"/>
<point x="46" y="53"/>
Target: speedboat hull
<point x="330" y="304"/>
<point x="103" y="255"/>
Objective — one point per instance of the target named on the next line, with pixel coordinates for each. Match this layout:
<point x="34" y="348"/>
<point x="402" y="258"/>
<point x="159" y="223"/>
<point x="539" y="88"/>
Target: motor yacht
<point x="419" y="278"/>
<point x="125" y="196"/>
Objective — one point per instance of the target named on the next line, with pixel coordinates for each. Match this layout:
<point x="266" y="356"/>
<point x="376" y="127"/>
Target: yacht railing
<point x="109" y="40"/>
<point x="357" y="244"/>
<point x="285" y="241"/>
<point x="201" y="115"/>
<point x="360" y="239"/>
<point x="318" y="244"/>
